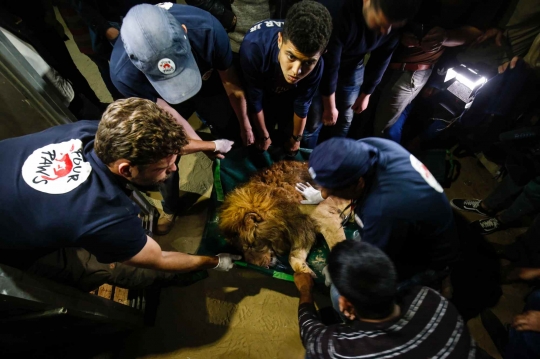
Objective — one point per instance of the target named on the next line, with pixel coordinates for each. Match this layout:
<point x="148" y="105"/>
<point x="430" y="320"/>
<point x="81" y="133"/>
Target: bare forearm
<point x="329" y="101"/>
<point x="260" y="126"/>
<point x="299" y="125"/>
<point x="182" y="121"/>
<point x="173" y="261"/>
<point x="198" y="146"/>
<point x="236" y="95"/>
<point x="306" y="297"/>
<point x="460" y="36"/>
<point x="237" y="99"/>
<point x="182" y="262"/>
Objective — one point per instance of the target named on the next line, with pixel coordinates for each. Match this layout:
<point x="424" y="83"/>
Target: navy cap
<point x="157" y="45"/>
<point x="340" y="162"/>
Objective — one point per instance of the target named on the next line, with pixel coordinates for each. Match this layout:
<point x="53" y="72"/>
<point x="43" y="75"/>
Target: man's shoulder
<point x="265" y="28"/>
<point x="263" y="35"/>
<point x="194" y="18"/>
<point x="120" y="64"/>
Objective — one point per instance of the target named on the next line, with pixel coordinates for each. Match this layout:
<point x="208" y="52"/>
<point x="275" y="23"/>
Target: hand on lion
<point x="311" y="195"/>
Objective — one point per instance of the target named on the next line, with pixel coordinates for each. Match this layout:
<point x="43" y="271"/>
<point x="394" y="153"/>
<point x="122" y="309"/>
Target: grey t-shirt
<point x="248" y="12"/>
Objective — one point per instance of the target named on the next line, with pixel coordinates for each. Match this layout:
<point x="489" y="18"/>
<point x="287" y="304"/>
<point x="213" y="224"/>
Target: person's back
<point x="402" y="207"/>
<point x="59" y="194"/>
<point x="419" y="323"/>
<point x="429" y="327"/>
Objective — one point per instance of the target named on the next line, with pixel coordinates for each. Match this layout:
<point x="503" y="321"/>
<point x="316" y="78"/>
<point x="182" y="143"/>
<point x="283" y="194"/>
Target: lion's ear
<point x="251" y="219"/>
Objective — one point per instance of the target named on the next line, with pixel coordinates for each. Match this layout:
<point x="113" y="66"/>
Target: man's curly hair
<point x="308" y="26"/>
<point x="139" y="131"/>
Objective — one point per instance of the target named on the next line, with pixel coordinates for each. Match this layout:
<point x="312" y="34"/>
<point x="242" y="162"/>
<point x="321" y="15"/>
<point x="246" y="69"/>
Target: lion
<point x="264" y="218"/>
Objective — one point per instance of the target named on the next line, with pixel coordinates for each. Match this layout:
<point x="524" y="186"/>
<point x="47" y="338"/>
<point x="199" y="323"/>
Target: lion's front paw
<point x="302" y="267"/>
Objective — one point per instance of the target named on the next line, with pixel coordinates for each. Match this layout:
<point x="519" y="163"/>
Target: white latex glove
<point x="311" y="195"/>
<point x="326" y="274"/>
<point x="226" y="261"/>
<point x="223" y="146"/>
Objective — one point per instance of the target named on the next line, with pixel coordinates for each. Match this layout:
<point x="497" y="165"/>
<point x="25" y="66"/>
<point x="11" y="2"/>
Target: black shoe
<point x="469" y="205"/>
<point x="488" y="226"/>
<point x="496" y="330"/>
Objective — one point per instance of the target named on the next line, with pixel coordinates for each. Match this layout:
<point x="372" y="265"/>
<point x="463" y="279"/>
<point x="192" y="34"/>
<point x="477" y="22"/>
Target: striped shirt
<point x="428" y="327"/>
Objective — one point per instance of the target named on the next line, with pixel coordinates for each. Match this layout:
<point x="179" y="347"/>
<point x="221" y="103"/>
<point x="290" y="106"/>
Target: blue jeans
<point x="347" y="91"/>
<point x="313" y="123"/>
<point x="513" y="200"/>
<point x="170" y="191"/>
<point x="525" y="345"/>
<point x="401" y="89"/>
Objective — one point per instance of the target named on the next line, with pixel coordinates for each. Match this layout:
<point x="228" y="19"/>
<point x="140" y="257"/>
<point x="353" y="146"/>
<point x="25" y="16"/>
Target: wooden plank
<point x="105" y="291"/>
<point x="121" y="295"/>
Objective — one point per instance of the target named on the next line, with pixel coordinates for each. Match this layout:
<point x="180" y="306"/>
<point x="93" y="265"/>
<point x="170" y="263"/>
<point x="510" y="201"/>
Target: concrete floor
<point x="243" y="314"/>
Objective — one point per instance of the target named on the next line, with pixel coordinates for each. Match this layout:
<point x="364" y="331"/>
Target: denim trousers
<point x="170" y="191"/>
<point x="514" y="201"/>
<point x="313" y="123"/>
<point x="347" y="91"/>
<point x="525" y="344"/>
<point x="401" y="89"/>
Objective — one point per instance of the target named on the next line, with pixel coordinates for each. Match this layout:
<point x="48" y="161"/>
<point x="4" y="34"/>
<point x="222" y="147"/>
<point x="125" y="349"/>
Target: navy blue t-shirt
<point x="262" y="71"/>
<point x="209" y="44"/>
<point x="57" y="193"/>
<point x="405" y="200"/>
<point x="351" y="40"/>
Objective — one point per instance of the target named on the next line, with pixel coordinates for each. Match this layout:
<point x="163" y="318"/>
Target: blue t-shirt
<point x="209" y="44"/>
<point x="404" y="200"/>
<point x="262" y="71"/>
<point x="351" y="40"/>
<point x="57" y="193"/>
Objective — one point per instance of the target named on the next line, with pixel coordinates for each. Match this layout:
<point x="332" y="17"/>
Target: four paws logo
<point x="56" y="168"/>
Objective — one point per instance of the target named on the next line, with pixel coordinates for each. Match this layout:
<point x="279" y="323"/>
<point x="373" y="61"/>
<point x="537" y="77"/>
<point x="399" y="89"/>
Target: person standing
<point x="282" y="67"/>
<point x="362" y="27"/>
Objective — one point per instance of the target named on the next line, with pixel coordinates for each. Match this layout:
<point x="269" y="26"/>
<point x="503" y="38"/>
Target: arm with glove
<point x="151" y="256"/>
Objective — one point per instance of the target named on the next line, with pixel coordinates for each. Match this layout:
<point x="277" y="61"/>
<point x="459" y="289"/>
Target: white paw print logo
<point x="166" y="66"/>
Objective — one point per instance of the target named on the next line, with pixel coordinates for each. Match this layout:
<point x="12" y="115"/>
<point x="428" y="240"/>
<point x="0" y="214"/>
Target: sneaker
<point x="487" y="226"/>
<point x="469" y="205"/>
<point x="165" y="224"/>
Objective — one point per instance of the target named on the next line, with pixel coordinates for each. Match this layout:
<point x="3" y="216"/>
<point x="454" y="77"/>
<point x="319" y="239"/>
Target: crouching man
<point x="419" y="324"/>
<point x="65" y="206"/>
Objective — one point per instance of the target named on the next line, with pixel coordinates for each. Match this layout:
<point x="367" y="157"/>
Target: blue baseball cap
<point x="157" y="45"/>
<point x="340" y="162"/>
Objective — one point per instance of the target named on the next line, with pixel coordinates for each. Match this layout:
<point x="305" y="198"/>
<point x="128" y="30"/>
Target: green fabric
<point x="235" y="170"/>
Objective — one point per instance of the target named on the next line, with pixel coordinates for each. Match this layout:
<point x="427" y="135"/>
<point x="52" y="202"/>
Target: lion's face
<point x="262" y="218"/>
<point x="260" y="241"/>
<point x="265" y="259"/>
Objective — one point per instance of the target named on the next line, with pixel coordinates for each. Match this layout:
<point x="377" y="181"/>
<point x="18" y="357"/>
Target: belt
<point x="409" y="67"/>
